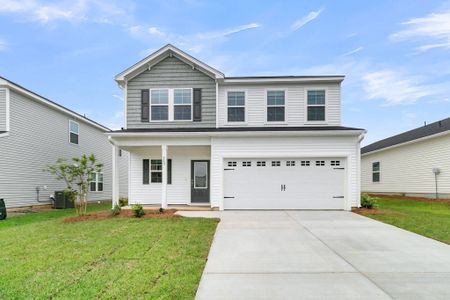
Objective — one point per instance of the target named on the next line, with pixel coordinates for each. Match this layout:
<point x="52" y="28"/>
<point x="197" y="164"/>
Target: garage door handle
<point x="228" y="169"/>
<point x="228" y="197"/>
<point x="338" y="197"/>
<point x="338" y="168"/>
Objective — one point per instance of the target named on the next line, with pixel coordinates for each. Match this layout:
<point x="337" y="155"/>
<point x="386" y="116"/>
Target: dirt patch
<point x="149" y="213"/>
<point x="421" y="199"/>
<point x="374" y="211"/>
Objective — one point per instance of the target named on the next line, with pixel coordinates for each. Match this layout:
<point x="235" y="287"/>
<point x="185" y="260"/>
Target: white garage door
<point x="295" y="183"/>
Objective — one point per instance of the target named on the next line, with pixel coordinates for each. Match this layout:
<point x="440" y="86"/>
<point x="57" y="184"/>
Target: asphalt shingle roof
<point x="421" y="132"/>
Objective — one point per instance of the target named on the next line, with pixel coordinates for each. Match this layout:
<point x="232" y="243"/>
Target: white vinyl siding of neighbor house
<point x="179" y="191"/>
<point x="38" y="136"/>
<point x="295" y="104"/>
<point x="4" y="109"/>
<point x="289" y="147"/>
<point x="408" y="168"/>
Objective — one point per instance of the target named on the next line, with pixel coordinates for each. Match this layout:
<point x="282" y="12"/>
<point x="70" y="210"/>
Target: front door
<point x="199" y="181"/>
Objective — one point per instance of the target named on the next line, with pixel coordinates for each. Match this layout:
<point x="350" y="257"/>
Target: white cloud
<point x="434" y="27"/>
<point x="305" y="20"/>
<point x="396" y="88"/>
<point x="118" y="97"/>
<point x="353" y="51"/>
<point x="155" y="31"/>
<point x="3" y="45"/>
<point x="98" y="11"/>
<point x="227" y="32"/>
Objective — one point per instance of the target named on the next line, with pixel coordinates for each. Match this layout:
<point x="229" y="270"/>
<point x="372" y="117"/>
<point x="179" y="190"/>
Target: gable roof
<point x="164" y="52"/>
<point x="409" y="136"/>
<point x="20" y="89"/>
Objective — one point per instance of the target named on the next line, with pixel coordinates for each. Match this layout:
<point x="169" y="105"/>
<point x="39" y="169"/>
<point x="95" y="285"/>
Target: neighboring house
<point x="35" y="132"/>
<point x="197" y="137"/>
<point x="406" y="163"/>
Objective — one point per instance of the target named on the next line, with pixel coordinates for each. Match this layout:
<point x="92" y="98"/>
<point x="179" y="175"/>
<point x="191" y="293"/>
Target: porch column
<point x="164" y="176"/>
<point x="115" y="175"/>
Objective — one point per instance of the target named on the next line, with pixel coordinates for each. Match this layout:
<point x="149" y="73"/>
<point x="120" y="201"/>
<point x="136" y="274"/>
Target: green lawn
<point x="41" y="257"/>
<point x="431" y="219"/>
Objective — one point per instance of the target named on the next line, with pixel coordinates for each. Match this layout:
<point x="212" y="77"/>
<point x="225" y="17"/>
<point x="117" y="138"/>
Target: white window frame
<point x="174" y="105"/>
<point x="285" y="106"/>
<point x="151" y="104"/>
<point x="372" y="171"/>
<point x="77" y="133"/>
<point x="316" y="88"/>
<point x="97" y="181"/>
<point x="245" y="108"/>
<point x="154" y="171"/>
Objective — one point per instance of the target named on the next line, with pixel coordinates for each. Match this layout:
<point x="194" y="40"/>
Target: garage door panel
<point x="286" y="184"/>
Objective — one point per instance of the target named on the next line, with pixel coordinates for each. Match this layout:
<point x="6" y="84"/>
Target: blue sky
<point x="395" y="54"/>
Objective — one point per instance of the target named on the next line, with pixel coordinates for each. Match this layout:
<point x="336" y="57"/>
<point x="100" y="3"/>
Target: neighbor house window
<point x="236" y="106"/>
<point x="182" y="104"/>
<point x="275" y="106"/>
<point x="316" y="105"/>
<point x="74" y="132"/>
<point x="159" y="105"/>
<point x="376" y="171"/>
<point x="96" y="182"/>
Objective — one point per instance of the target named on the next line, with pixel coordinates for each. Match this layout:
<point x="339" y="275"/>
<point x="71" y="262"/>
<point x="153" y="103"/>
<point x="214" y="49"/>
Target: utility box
<point x="2" y="209"/>
<point x="61" y="201"/>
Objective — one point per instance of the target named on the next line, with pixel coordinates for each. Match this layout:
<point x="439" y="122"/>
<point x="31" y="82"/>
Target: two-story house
<point x="34" y="133"/>
<point x="197" y="137"/>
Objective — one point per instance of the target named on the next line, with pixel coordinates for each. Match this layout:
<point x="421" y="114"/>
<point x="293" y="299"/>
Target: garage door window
<point x="376" y="171"/>
<point x="290" y="163"/>
<point x="276" y="163"/>
<point x="246" y="163"/>
<point x="335" y="163"/>
<point x="232" y="164"/>
<point x="305" y="163"/>
<point x="320" y="163"/>
<point x="260" y="163"/>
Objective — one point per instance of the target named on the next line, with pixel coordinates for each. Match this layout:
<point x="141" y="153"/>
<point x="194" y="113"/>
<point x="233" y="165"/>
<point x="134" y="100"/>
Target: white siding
<point x="38" y="137"/>
<point x="295" y="111"/>
<point x="285" y="147"/>
<point x="408" y="168"/>
<point x="179" y="192"/>
<point x="3" y="108"/>
<point x="123" y="174"/>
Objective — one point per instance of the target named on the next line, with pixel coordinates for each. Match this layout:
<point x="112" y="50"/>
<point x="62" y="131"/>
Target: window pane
<point x="376" y="177"/>
<point x="316" y="97"/>
<point x="160" y="96"/>
<point x="376" y="166"/>
<point x="156" y="165"/>
<point x="182" y="112"/>
<point x="236" y="114"/>
<point x="73" y="127"/>
<point x="182" y="96"/>
<point x="201" y="174"/>
<point x="74" y="138"/>
<point x="316" y="113"/>
<point x="156" y="177"/>
<point x="100" y="177"/>
<point x="92" y="186"/>
<point x="160" y="113"/>
<point x="275" y="98"/>
<point x="275" y="114"/>
<point x="236" y="99"/>
<point x="100" y="187"/>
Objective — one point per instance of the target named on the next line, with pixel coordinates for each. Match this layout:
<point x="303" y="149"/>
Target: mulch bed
<point x="125" y="213"/>
<point x="421" y="199"/>
<point x="374" y="211"/>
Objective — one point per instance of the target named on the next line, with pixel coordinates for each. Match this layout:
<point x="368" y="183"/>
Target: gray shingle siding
<point x="171" y="73"/>
<point x="38" y="136"/>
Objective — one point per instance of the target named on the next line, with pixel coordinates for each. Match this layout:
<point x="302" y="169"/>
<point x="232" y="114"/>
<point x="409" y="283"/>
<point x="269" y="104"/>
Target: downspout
<point x="358" y="161"/>
<point x="217" y="103"/>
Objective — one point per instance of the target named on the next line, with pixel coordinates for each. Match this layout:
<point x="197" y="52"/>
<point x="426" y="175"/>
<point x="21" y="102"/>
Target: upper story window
<point x="159" y="105"/>
<point x="236" y="106"/>
<point x="316" y="105"/>
<point x="74" y="132"/>
<point x="376" y="171"/>
<point x="182" y="104"/>
<point x="275" y="106"/>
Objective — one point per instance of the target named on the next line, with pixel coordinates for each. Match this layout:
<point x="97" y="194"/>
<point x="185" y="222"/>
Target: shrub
<point x="161" y="210"/>
<point x="138" y="210"/>
<point x="115" y="211"/>
<point x="123" y="201"/>
<point x="367" y="201"/>
<point x="70" y="195"/>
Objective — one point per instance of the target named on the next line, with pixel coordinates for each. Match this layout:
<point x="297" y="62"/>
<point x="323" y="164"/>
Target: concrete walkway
<point x="320" y="255"/>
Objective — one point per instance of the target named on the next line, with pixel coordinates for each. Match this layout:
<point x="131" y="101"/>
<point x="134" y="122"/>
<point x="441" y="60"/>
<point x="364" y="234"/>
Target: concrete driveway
<point x="320" y="255"/>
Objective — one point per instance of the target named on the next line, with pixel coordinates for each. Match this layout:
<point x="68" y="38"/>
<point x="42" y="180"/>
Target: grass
<point x="431" y="219"/>
<point x="122" y="258"/>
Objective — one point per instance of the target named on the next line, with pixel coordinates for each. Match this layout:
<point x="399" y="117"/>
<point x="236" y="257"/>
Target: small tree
<point x="77" y="174"/>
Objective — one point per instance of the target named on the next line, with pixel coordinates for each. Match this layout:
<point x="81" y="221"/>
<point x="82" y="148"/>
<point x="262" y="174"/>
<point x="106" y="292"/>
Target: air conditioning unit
<point x="60" y="201"/>
<point x="2" y="209"/>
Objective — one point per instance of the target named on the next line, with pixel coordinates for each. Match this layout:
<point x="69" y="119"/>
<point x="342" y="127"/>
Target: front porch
<point x="166" y="173"/>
